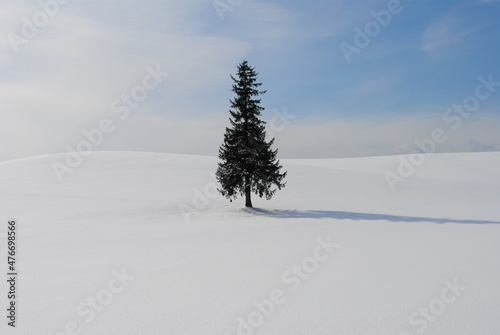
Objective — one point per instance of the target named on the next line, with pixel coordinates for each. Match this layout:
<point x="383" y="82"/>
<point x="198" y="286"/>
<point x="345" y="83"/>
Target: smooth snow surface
<point x="199" y="262"/>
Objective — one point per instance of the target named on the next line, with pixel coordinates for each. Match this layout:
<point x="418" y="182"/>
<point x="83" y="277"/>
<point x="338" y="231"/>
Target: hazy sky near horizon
<point x="353" y="78"/>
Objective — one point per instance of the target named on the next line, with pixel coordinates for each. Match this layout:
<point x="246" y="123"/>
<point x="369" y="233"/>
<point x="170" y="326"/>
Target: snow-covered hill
<point x="140" y="243"/>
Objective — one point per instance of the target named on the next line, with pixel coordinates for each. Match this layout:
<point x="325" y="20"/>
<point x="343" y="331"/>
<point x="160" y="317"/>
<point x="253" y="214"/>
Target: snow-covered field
<point x="138" y="243"/>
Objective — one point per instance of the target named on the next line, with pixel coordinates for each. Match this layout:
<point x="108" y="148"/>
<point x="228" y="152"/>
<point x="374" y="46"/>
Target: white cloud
<point x="386" y="136"/>
<point x="301" y="139"/>
<point x="64" y="79"/>
<point x="446" y="34"/>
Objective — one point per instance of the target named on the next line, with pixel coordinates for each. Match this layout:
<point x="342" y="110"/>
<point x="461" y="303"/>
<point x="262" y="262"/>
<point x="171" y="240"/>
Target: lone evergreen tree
<point x="248" y="163"/>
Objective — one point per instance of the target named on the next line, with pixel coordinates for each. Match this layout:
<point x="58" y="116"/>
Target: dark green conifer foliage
<point x="248" y="163"/>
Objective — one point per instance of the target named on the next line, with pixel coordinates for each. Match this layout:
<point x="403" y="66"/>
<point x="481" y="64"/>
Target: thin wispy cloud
<point x="448" y="34"/>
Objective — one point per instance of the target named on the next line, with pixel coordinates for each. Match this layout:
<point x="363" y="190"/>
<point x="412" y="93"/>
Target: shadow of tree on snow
<point x="339" y="215"/>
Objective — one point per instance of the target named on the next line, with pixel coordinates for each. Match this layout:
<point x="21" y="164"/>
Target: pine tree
<point x="248" y="163"/>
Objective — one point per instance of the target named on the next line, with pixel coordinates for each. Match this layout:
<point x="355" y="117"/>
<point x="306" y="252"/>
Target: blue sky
<point x="394" y="91"/>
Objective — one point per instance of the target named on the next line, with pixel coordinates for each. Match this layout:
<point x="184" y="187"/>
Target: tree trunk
<point x="248" y="197"/>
